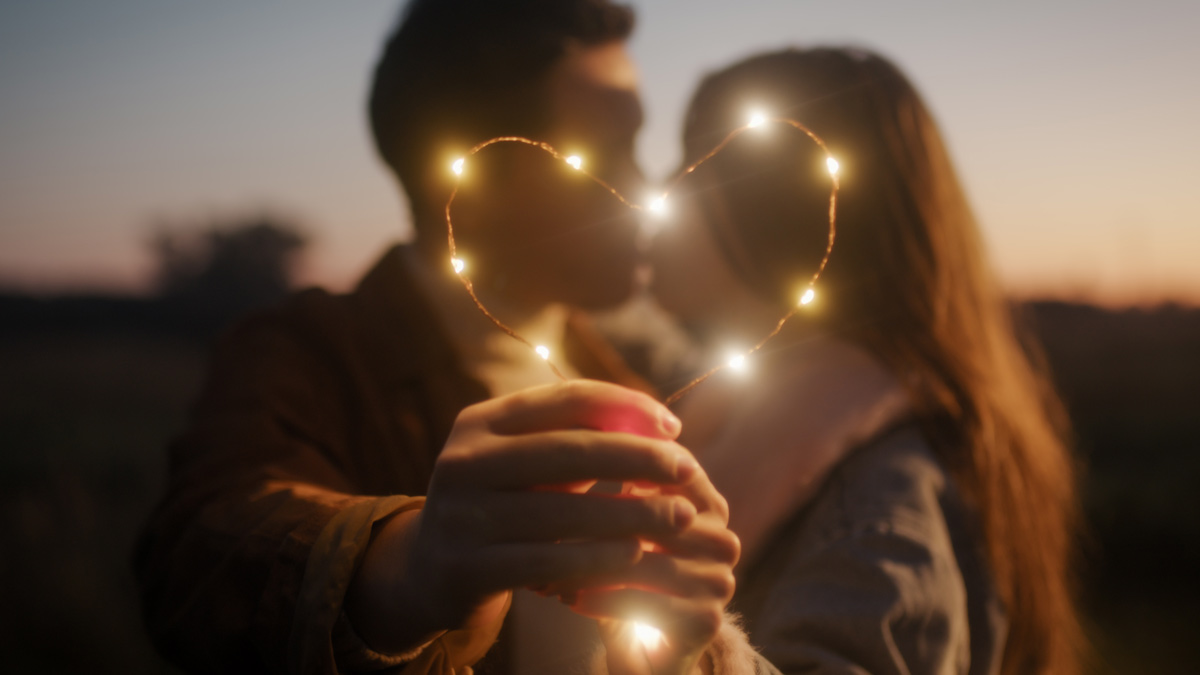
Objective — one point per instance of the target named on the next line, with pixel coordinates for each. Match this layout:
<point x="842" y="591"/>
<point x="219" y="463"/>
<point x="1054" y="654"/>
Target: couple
<point x="382" y="481"/>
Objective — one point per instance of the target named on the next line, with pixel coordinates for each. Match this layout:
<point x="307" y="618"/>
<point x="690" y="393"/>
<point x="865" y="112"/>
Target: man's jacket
<point x="318" y="419"/>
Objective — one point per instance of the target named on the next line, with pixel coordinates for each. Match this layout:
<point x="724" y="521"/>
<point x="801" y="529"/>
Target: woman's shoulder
<point x="878" y="571"/>
<point x="780" y="441"/>
<point x="889" y="496"/>
<point x="894" y="482"/>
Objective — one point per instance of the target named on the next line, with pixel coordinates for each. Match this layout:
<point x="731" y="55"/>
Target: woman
<point x="894" y="459"/>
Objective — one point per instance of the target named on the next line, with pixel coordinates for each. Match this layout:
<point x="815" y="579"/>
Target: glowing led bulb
<point x="457" y="166"/>
<point x="757" y="120"/>
<point x="738" y="362"/>
<point x="659" y="205"/>
<point x="575" y="161"/>
<point x="459" y="265"/>
<point x="648" y="635"/>
<point x="808" y="296"/>
<point x="832" y="165"/>
<point x="543" y="352"/>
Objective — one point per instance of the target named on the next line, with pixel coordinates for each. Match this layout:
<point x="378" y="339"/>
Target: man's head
<point x="457" y="72"/>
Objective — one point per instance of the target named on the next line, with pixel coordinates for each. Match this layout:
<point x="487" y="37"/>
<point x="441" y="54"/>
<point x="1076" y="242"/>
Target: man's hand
<point x="505" y="509"/>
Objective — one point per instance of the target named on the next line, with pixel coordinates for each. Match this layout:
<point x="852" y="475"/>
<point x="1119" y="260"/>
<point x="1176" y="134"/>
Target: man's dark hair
<point x="457" y="72"/>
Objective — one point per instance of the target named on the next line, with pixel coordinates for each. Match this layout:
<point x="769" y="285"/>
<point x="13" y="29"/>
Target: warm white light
<point x="457" y="166"/>
<point x="649" y="636"/>
<point x="808" y="296"/>
<point x="738" y="362"/>
<point x="833" y="165"/>
<point x="575" y="161"/>
<point x="757" y="120"/>
<point x="459" y="265"/>
<point x="542" y="351"/>
<point x="659" y="205"/>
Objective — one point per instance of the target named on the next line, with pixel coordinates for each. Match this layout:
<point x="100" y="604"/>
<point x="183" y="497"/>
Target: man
<point x="345" y="499"/>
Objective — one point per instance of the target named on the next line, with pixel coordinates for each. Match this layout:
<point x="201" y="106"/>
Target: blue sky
<point x="1073" y="124"/>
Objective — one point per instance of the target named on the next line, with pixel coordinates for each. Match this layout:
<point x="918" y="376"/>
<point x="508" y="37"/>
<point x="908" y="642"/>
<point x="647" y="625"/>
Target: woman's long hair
<point x="909" y="282"/>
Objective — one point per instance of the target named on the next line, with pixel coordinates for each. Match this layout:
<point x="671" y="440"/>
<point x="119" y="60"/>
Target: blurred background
<point x="165" y="167"/>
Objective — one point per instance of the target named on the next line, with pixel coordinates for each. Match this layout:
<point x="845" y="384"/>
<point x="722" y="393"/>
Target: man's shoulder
<point x="381" y="312"/>
<point x="312" y="316"/>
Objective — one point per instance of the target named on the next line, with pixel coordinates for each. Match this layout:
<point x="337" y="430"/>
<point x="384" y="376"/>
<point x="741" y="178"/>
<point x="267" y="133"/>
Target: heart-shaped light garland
<point x="647" y="635"/>
<point x="657" y="206"/>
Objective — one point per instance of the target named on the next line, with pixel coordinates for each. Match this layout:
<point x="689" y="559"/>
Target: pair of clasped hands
<point x="508" y="507"/>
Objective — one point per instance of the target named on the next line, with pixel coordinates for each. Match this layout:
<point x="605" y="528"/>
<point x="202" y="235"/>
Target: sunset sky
<point x="1074" y="124"/>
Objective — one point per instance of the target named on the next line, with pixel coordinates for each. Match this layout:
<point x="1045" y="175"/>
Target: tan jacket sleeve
<point x="244" y="565"/>
<point x="330" y="567"/>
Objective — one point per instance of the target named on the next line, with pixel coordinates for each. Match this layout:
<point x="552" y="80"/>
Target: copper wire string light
<point x="656" y="206"/>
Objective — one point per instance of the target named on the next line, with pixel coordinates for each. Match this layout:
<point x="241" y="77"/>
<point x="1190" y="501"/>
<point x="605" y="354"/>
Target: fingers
<point x="685" y="562"/>
<point x="556" y="457"/>
<point x="698" y="489"/>
<point x="505" y="511"/>
<point x="586" y="404"/>
<point x="551" y="516"/>
<point x="657" y="573"/>
<point x="707" y="538"/>
<point x="682" y="578"/>
<point x="505" y="566"/>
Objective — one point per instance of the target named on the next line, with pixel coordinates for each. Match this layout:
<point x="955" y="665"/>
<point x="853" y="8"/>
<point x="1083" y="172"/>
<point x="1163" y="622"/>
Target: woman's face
<point x="691" y="278"/>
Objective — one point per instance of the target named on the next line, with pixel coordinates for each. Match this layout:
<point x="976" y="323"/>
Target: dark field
<point x="87" y="404"/>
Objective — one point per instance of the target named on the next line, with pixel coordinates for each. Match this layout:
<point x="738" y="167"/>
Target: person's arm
<point x="247" y="562"/>
<point x="260" y="505"/>
<point x="870" y="582"/>
<point x="507" y="509"/>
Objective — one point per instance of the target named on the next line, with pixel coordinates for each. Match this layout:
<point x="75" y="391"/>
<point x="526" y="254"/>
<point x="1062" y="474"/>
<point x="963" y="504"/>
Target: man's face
<point x="555" y="235"/>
